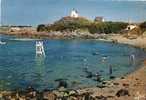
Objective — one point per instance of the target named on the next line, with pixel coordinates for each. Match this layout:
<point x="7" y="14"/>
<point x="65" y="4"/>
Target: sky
<point x="34" y="12"/>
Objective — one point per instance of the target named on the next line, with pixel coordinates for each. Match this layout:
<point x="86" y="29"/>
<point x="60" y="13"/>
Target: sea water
<point x="64" y="60"/>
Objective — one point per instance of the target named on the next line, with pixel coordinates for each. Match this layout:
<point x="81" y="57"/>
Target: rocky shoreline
<point x="56" y="35"/>
<point x="129" y="87"/>
<point x="61" y="94"/>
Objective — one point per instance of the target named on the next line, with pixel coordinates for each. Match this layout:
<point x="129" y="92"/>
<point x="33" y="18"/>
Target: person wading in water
<point x="110" y="69"/>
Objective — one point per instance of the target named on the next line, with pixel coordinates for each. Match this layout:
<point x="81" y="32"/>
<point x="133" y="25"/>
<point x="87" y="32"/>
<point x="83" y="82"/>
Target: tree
<point x="41" y="28"/>
<point x="107" y="27"/>
<point x="143" y="25"/>
<point x="81" y="23"/>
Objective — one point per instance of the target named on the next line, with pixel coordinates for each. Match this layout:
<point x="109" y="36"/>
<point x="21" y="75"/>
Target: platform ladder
<point x="40" y="49"/>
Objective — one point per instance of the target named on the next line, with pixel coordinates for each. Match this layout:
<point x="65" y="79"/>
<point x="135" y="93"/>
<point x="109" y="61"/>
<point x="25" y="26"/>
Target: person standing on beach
<point x="132" y="59"/>
<point x="110" y="69"/>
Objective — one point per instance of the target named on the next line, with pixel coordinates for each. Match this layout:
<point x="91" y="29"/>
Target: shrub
<point x="107" y="27"/>
<point x="143" y="25"/>
<point x="81" y="23"/>
<point x="41" y="27"/>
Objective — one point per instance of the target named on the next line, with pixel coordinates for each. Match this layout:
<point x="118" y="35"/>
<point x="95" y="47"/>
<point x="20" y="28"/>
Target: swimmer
<point x="104" y="58"/>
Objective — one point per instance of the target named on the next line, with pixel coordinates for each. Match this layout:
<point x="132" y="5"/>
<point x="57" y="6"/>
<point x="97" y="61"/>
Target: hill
<point x="77" y="24"/>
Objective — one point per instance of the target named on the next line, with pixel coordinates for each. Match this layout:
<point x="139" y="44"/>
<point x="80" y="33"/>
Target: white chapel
<point x="74" y="14"/>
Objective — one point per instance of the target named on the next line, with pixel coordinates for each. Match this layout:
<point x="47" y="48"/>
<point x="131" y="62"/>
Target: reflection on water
<point x="40" y="64"/>
<point x="39" y="70"/>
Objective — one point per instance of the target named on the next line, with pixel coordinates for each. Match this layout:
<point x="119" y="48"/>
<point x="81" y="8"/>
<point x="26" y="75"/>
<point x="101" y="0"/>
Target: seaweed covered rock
<point x="101" y="97"/>
<point x="49" y="96"/>
<point x="63" y="83"/>
<point x="122" y="92"/>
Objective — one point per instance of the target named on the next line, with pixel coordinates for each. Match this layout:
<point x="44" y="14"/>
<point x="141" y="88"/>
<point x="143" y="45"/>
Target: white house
<point x="99" y="19"/>
<point x="131" y="26"/>
<point x="74" y="14"/>
<point x="14" y="29"/>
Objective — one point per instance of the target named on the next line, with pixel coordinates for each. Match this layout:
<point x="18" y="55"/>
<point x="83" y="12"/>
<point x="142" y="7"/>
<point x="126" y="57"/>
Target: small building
<point x="131" y="26"/>
<point x="74" y="14"/>
<point x="99" y="19"/>
<point x="21" y="28"/>
<point x="14" y="29"/>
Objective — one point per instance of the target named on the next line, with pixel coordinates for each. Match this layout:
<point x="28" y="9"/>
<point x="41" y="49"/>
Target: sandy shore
<point x="134" y="84"/>
<point x="138" y="42"/>
<point x="130" y="87"/>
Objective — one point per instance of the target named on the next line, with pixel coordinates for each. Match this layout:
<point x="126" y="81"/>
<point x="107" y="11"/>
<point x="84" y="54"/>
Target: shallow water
<point x="65" y="59"/>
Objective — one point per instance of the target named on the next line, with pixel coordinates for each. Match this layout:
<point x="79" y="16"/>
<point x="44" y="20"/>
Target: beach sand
<point x="134" y="83"/>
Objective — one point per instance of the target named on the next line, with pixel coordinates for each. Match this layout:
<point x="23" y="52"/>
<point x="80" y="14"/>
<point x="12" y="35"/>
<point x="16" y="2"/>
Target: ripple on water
<point x="77" y="62"/>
